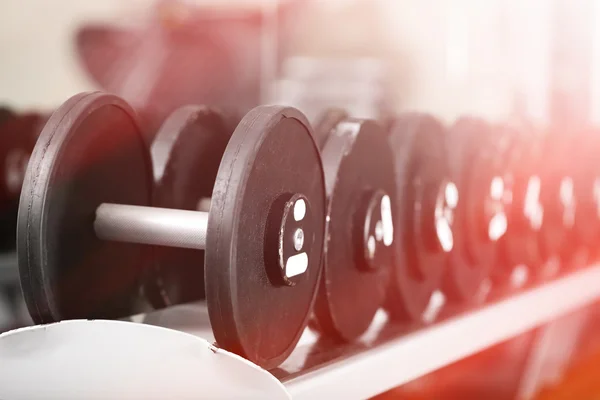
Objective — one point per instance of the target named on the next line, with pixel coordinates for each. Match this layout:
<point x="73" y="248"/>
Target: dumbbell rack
<point x="387" y="356"/>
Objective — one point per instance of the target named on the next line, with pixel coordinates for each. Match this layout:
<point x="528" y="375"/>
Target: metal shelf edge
<point x="409" y="357"/>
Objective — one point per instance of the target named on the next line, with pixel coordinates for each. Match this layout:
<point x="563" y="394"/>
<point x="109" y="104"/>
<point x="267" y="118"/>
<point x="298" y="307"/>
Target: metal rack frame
<point x="416" y="354"/>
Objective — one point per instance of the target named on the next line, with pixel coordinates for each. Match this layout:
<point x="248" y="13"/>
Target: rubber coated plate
<point x="472" y="169"/>
<point x="271" y="155"/>
<point x="90" y="152"/>
<point x="587" y="190"/>
<point x="506" y="139"/>
<point x="418" y="142"/>
<point x="526" y="214"/>
<point x="557" y="198"/>
<point x="359" y="171"/>
<point x="186" y="153"/>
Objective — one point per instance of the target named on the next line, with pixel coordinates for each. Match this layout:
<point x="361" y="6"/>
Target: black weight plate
<point x="557" y="198"/>
<point x="506" y="141"/>
<point x="490" y="218"/>
<point x="586" y="174"/>
<point x="359" y="172"/>
<point x="186" y="154"/>
<point x="18" y="134"/>
<point x="418" y="141"/>
<point x="520" y="245"/>
<point x="270" y="156"/>
<point x="90" y="152"/>
<point x="473" y="168"/>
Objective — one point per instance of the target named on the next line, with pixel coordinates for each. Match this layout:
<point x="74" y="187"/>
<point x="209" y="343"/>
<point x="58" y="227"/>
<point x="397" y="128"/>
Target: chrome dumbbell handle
<point x="151" y="225"/>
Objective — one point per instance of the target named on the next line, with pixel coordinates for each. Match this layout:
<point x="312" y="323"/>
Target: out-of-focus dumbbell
<point x="585" y="166"/>
<point x="476" y="161"/>
<point x="519" y="255"/>
<point x="18" y="134"/>
<point x="424" y="219"/>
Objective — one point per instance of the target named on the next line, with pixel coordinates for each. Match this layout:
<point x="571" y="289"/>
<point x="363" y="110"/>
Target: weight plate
<point x="186" y="154"/>
<point x="587" y="190"/>
<point x="18" y="134"/>
<point x="520" y="245"/>
<point x="359" y="251"/>
<point x="557" y="196"/>
<point x="479" y="215"/>
<point x="90" y="152"/>
<point x="270" y="163"/>
<point x="423" y="237"/>
<point x="506" y="139"/>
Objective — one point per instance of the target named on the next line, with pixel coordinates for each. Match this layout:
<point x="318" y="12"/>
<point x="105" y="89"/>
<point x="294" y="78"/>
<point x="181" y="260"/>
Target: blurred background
<point x="533" y="60"/>
<point x="496" y="58"/>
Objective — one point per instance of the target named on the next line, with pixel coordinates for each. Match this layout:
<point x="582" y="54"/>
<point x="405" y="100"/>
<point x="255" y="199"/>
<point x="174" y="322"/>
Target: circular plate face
<point x="361" y="189"/>
<point x="90" y="152"/>
<point x="587" y="191"/>
<point x="525" y="215"/>
<point x="474" y="171"/>
<point x="505" y="138"/>
<point x="420" y="164"/>
<point x="186" y="154"/>
<point x="557" y="196"/>
<point x="270" y="158"/>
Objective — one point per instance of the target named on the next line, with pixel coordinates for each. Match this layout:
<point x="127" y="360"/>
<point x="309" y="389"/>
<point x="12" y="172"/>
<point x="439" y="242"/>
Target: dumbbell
<point x="426" y="199"/>
<point x="359" y="231"/>
<point x="586" y="175"/>
<point x="475" y="166"/>
<point x="18" y="133"/>
<point x="558" y="198"/>
<point x="191" y="141"/>
<point x="521" y="245"/>
<point x="86" y="220"/>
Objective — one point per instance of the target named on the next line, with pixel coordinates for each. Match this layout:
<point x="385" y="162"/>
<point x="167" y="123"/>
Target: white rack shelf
<point x="142" y="359"/>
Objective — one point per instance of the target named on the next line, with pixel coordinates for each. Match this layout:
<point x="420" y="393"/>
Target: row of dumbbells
<point x="276" y="221"/>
